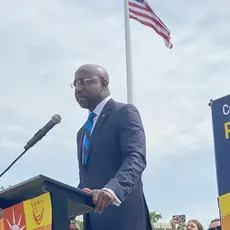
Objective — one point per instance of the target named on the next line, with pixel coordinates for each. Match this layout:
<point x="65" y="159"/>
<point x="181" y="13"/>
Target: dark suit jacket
<point x="117" y="158"/>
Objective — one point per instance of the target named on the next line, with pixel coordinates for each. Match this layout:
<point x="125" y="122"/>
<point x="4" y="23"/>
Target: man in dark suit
<point x="112" y="155"/>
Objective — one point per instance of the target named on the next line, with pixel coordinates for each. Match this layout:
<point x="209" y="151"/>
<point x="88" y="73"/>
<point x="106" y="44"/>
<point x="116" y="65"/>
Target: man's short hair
<point x="214" y="220"/>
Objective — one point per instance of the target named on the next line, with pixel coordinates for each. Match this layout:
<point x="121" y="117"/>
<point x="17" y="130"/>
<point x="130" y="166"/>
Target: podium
<point x="66" y="201"/>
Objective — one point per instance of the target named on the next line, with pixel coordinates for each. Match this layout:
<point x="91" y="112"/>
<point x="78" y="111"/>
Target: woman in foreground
<point x="191" y="225"/>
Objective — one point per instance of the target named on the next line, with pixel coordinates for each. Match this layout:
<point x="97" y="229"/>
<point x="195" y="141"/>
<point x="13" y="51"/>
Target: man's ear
<point x="104" y="83"/>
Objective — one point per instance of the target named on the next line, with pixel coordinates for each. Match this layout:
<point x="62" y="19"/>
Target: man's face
<point x="88" y="89"/>
<point x="214" y="225"/>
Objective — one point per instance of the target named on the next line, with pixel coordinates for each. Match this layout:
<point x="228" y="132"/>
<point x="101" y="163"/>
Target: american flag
<point x="141" y="11"/>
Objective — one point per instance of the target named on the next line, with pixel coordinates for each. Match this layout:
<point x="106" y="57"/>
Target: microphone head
<point x="56" y="118"/>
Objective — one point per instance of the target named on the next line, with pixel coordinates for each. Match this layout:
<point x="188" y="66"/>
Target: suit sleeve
<point x="78" y="141"/>
<point x="133" y="148"/>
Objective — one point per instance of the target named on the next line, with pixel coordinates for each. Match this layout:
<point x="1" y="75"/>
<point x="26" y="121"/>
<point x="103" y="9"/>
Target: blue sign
<point x="221" y="132"/>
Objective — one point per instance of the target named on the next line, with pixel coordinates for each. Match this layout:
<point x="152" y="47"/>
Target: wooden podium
<point x="67" y="202"/>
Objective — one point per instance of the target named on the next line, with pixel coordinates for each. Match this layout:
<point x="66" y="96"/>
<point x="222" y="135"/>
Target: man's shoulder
<point x="126" y="111"/>
<point x="124" y="106"/>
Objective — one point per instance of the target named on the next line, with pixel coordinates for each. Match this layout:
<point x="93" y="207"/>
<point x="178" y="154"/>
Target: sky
<point x="42" y="43"/>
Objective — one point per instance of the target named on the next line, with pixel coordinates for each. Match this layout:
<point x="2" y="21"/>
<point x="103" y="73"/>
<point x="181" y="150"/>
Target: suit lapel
<point x="80" y="143"/>
<point x="100" y="121"/>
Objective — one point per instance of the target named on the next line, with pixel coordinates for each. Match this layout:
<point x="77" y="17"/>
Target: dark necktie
<point x="88" y="129"/>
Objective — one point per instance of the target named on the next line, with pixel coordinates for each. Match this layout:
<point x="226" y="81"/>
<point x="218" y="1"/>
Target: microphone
<point x="42" y="132"/>
<point x="37" y="137"/>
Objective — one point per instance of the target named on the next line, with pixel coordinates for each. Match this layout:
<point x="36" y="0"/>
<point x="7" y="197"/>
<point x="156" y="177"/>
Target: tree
<point x="154" y="217"/>
<point x="80" y="224"/>
<point x="181" y="226"/>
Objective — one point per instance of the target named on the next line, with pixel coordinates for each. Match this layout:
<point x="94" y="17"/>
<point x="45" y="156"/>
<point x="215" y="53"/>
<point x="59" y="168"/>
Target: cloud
<point x="43" y="43"/>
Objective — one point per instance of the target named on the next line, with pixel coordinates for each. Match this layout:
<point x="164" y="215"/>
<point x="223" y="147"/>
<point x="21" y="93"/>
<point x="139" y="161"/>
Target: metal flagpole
<point x="128" y="54"/>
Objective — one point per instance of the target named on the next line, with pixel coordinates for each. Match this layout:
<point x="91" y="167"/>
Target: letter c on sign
<point x="226" y="109"/>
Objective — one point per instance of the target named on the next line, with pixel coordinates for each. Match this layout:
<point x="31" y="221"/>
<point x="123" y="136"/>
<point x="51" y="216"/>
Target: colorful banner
<point x="1" y="224"/>
<point x="33" y="214"/>
<point x="221" y="131"/>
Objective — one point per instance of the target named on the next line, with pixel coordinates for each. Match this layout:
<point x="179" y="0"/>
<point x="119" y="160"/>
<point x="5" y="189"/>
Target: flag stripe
<point x="145" y="6"/>
<point x="143" y="13"/>
<point x="149" y="19"/>
<point x="150" y="24"/>
<point x="137" y="5"/>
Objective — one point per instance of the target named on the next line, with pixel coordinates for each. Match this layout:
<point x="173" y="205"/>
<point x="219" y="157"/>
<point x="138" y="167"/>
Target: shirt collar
<point x="101" y="105"/>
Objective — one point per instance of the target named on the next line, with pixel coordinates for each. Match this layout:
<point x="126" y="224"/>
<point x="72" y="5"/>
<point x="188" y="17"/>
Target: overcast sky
<point x="42" y="43"/>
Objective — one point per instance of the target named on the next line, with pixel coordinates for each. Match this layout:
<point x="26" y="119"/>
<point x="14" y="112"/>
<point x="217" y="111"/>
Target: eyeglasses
<point x="216" y="228"/>
<point x="82" y="81"/>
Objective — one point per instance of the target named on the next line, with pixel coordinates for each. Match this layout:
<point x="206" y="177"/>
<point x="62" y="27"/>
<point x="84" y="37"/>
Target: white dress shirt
<point x="97" y="111"/>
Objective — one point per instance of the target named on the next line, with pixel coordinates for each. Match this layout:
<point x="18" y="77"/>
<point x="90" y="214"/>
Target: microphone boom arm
<point x="13" y="162"/>
<point x="37" y="137"/>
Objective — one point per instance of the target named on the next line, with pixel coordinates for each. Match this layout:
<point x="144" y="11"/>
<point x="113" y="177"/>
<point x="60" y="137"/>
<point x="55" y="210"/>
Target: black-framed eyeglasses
<point x="83" y="81"/>
<point x="216" y="228"/>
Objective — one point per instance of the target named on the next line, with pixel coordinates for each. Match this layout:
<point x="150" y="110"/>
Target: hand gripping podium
<point x="67" y="202"/>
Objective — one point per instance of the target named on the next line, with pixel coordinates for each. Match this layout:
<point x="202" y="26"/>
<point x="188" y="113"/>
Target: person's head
<point x="91" y="84"/>
<point x="215" y="224"/>
<point x="194" y="225"/>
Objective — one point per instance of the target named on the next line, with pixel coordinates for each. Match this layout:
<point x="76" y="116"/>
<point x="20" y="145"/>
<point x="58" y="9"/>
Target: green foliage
<point x="80" y="224"/>
<point x="154" y="217"/>
<point x="181" y="226"/>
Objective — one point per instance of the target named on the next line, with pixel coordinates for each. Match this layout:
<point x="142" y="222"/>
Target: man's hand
<point x="102" y="199"/>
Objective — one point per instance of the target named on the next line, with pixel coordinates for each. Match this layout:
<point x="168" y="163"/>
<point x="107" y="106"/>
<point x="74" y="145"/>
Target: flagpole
<point x="129" y="76"/>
